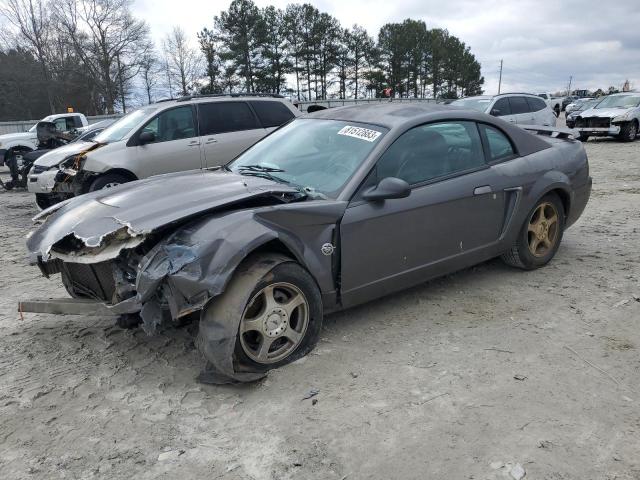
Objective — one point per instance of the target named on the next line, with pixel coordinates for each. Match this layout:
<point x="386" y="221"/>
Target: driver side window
<point x="432" y="151"/>
<point x="174" y="124"/>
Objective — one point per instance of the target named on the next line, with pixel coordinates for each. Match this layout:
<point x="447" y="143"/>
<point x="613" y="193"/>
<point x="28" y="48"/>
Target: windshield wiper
<point x="259" y="168"/>
<point x="266" y="174"/>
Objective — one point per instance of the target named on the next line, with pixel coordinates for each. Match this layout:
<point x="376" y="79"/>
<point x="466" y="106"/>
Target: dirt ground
<point x="461" y="378"/>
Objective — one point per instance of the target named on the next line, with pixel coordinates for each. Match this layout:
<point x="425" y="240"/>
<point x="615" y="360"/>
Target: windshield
<point x="45" y="119"/>
<point x="318" y="156"/>
<point x="619" y="101"/>
<point x="588" y="104"/>
<point x="479" y="104"/>
<point x="119" y="129"/>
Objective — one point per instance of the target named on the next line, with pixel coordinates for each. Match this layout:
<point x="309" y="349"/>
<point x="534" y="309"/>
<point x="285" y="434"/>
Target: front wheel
<point x="628" y="131"/>
<point x="540" y="236"/>
<point x="269" y="315"/>
<point x="583" y="138"/>
<point x="108" y="180"/>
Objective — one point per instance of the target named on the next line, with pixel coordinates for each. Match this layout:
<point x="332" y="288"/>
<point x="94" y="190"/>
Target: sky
<point x="542" y="43"/>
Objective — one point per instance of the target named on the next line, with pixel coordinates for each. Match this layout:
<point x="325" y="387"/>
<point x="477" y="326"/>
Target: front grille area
<point x="593" y="122"/>
<point x="94" y="281"/>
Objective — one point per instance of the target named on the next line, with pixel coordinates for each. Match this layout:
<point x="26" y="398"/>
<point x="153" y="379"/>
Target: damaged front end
<point x="71" y="178"/>
<point x="163" y="259"/>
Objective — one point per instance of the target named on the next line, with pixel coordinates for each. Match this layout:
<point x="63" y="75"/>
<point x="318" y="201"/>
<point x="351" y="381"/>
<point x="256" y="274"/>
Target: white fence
<point x="24" y="125"/>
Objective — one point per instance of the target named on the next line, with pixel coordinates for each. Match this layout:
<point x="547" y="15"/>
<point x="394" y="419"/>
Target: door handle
<point x="482" y="190"/>
<point x="211" y="140"/>
<point x="193" y="143"/>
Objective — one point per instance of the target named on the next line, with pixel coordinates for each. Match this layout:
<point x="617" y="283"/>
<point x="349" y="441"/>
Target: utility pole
<point x="500" y="79"/>
<point x="569" y="88"/>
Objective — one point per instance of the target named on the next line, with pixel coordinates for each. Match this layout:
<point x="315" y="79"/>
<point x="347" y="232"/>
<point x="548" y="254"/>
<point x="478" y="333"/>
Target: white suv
<point x="169" y="136"/>
<point x="518" y="108"/>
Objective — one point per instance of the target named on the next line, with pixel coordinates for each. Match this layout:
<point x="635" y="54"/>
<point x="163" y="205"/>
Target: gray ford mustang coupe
<point x="329" y="211"/>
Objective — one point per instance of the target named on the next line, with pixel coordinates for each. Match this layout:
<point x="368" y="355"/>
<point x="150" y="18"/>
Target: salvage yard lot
<point x="461" y="377"/>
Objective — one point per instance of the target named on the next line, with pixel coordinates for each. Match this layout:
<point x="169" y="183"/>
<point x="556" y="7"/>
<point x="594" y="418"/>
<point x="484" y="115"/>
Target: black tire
<point x="221" y="321"/>
<point x="628" y="131"/>
<point x="108" y="180"/>
<point x="583" y="138"/>
<point x="520" y="255"/>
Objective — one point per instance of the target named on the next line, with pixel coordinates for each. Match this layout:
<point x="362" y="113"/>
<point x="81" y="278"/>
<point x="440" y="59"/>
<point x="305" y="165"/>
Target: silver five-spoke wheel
<point x="274" y="323"/>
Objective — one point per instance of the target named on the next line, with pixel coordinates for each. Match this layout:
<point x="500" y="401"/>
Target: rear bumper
<point x="579" y="202"/>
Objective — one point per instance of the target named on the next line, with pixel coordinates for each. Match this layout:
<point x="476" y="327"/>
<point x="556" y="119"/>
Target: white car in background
<point x="518" y="108"/>
<point x="555" y="103"/>
<point x="617" y="115"/>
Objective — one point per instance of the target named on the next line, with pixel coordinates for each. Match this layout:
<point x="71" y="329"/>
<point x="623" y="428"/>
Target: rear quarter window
<point x="272" y="114"/>
<point x="498" y="144"/>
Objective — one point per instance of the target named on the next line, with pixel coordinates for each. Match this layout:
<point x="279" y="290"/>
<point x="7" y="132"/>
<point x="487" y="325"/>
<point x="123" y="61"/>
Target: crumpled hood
<point x="129" y="212"/>
<point x="604" y="112"/>
<point x="54" y="157"/>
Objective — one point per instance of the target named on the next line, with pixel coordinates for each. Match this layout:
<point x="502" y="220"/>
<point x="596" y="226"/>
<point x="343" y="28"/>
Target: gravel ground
<point x="463" y="377"/>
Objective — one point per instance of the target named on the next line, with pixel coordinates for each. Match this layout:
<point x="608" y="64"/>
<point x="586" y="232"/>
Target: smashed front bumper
<point x="42" y="182"/>
<point x="600" y="131"/>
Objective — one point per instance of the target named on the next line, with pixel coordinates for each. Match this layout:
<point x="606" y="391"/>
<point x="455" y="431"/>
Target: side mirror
<point x="389" y="187"/>
<point x="146" y="137"/>
<point x="495" y="112"/>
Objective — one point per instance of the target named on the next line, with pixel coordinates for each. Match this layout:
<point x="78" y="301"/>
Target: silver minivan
<point x="169" y="136"/>
<point x="518" y="108"/>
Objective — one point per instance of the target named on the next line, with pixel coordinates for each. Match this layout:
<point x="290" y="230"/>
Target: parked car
<point x="615" y="115"/>
<point x="331" y="210"/>
<point x="16" y="144"/>
<point x="41" y="178"/>
<point x="576" y="104"/>
<point x="170" y="136"/>
<point x="579" y="108"/>
<point x="568" y="100"/>
<point x="555" y="103"/>
<point x="519" y="108"/>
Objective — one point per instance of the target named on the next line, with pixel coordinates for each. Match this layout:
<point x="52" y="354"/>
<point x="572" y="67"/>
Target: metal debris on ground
<point x="517" y="472"/>
<point x="311" y="393"/>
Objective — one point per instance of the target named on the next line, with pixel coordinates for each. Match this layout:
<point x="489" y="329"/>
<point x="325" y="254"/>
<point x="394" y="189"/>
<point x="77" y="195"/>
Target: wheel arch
<point x="89" y="179"/>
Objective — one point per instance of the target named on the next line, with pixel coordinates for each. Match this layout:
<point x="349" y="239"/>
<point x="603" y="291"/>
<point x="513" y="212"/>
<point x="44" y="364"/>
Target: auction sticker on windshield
<point x="359" y="132"/>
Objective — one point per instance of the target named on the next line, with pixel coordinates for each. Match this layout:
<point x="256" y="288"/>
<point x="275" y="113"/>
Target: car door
<point x="521" y="111"/>
<point x="176" y="146"/>
<point x="542" y="114"/>
<point x="226" y="130"/>
<point x="501" y="108"/>
<point x="454" y="213"/>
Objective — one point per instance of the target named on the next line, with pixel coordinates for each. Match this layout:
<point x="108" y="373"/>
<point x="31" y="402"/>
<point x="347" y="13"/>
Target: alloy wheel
<point x="543" y="229"/>
<point x="274" y="323"/>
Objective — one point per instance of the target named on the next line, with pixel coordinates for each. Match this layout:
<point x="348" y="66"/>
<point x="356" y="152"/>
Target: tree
<point x="239" y="30"/>
<point x="149" y="72"/>
<point x="33" y="21"/>
<point x="274" y="54"/>
<point x="108" y="40"/>
<point x="360" y="46"/>
<point x="209" y="47"/>
<point x="182" y="62"/>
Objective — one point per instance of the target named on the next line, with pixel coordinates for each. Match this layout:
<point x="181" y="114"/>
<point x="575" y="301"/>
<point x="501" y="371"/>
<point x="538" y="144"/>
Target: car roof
<point x="221" y="98"/>
<point x="400" y="116"/>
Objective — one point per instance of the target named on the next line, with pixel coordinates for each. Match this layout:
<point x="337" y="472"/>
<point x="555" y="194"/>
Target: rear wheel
<point x="583" y="138"/>
<point x="628" y="131"/>
<point x="270" y="314"/>
<point x="108" y="180"/>
<point x="540" y="236"/>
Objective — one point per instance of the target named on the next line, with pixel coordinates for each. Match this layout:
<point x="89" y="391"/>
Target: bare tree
<point x="109" y="41"/>
<point x="149" y="73"/>
<point x="183" y="61"/>
<point x="32" y="19"/>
